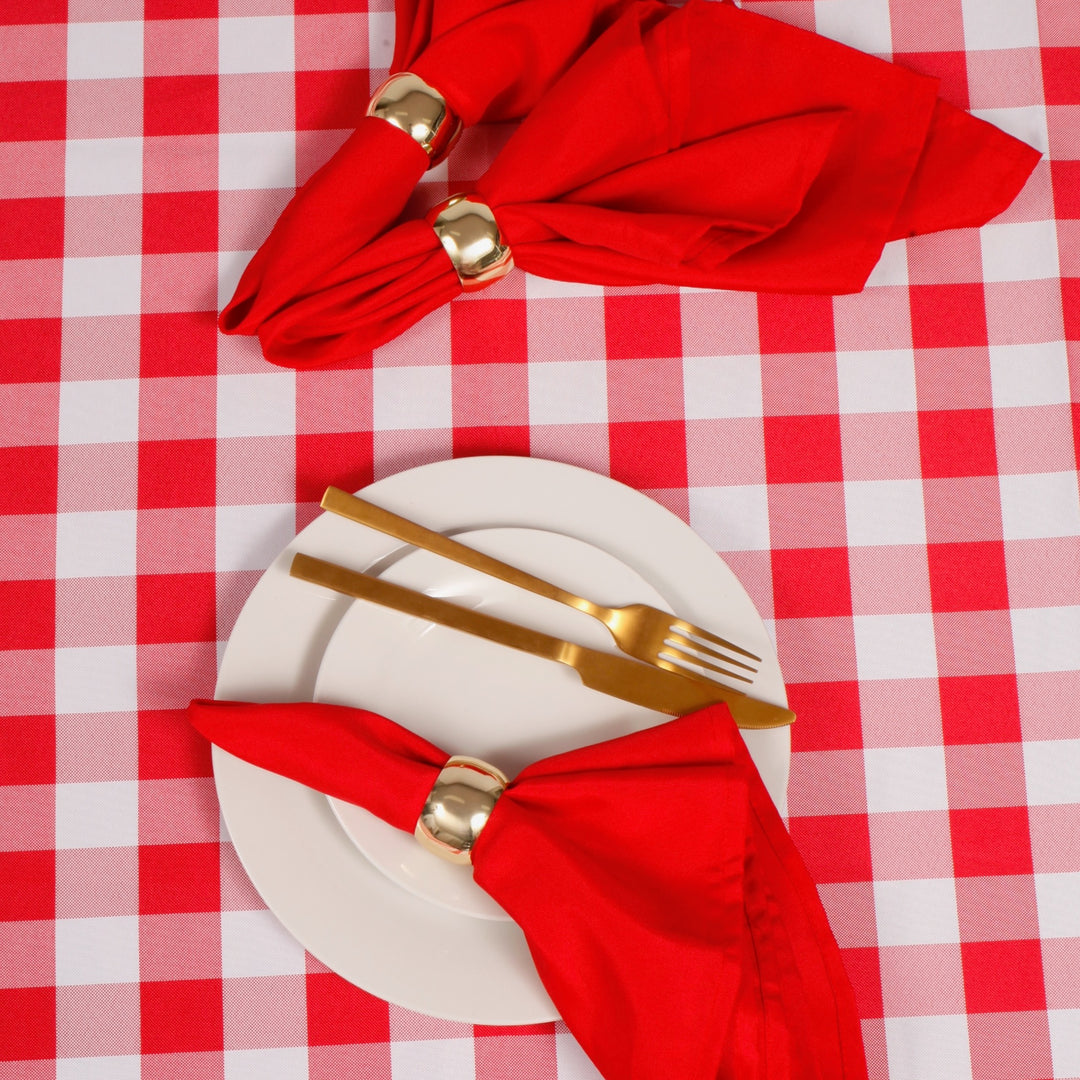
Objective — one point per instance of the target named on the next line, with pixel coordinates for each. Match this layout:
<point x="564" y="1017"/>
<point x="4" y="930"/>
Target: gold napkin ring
<point x="407" y="102"/>
<point x="458" y="807"/>
<point x="467" y="229"/>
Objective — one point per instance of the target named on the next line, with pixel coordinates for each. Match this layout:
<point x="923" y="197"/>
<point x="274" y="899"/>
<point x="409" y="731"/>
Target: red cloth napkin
<point x="667" y="911"/>
<point x="490" y="59"/>
<point x="703" y="146"/>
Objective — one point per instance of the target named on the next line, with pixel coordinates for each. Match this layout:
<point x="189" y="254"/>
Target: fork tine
<point x="692" y="645"/>
<point x="685" y="664"/>
<point x="680" y="626"/>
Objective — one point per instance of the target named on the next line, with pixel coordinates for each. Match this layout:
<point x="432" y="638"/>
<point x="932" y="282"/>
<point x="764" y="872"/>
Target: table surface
<point x="892" y="475"/>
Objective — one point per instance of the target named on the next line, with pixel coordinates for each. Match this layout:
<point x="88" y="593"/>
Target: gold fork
<point x="646" y="633"/>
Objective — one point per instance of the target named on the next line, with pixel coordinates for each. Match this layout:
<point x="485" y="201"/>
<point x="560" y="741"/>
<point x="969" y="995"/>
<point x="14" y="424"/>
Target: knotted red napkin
<point x="490" y="59"/>
<point x="704" y="146"/>
<point x="667" y="911"/>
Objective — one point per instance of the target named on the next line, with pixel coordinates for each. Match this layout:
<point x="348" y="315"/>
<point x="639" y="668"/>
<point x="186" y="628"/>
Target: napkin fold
<point x="667" y="911"/>
<point x="705" y="146"/>
<point x="491" y="60"/>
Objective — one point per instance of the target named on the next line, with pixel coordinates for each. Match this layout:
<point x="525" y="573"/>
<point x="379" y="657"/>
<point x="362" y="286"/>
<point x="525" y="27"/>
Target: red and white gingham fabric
<point x="892" y="475"/>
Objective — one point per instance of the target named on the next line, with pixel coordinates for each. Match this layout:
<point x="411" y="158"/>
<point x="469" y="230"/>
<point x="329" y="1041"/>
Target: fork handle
<point x="385" y="521"/>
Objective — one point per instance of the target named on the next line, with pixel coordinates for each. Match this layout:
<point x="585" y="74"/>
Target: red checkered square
<point x="180" y="472"/>
<point x="179" y="221"/>
<point x="33" y="874"/>
<point x="719" y="324"/>
<point x="948" y="316"/>
<point x="180" y="104"/>
<point x="330" y="99"/>
<point x="178" y="344"/>
<point x="644" y="325"/>
<point x="958" y="443"/>
<point x="980" y="709"/>
<point x="992" y="840"/>
<point x="19" y="462"/>
<point x="512" y="440"/>
<point x="97" y="882"/>
<point x="520" y="1055"/>
<point x="795" y="324"/>
<point x="37" y="11"/>
<point x="341" y="459"/>
<point x="922" y="980"/>
<point x="35" y="627"/>
<point x="169" y="748"/>
<point x="489" y="332"/>
<point x="951" y="68"/>
<point x="1007" y="1045"/>
<point x="339" y="1012"/>
<point x="863" y="967"/>
<point x="997" y="908"/>
<point x="811" y="583"/>
<point x="33" y="110"/>
<point x="648" y="454"/>
<point x="256" y="101"/>
<point x="1070" y="298"/>
<point x="834" y="847"/>
<point x="1060" y="76"/>
<point x="30" y="350"/>
<point x="1003" y="976"/>
<point x="28" y="1023"/>
<point x="909" y="844"/>
<point x="28" y="750"/>
<point x="199" y="1001"/>
<point x="835" y="714"/>
<point x="176" y="607"/>
<point x="968" y="576"/>
<point x="179" y="878"/>
<point x="803" y="449"/>
<point x="1065" y="176"/>
<point x="31" y="228"/>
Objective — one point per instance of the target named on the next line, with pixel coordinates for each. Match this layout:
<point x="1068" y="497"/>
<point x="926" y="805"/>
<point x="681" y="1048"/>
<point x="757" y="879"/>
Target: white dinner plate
<point x="360" y="896"/>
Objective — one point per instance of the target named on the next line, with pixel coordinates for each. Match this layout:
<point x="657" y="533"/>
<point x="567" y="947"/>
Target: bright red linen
<point x="487" y="59"/>
<point x="705" y="146"/>
<point x="667" y="911"/>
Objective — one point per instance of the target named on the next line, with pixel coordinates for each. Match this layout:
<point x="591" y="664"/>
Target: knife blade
<point x="619" y="677"/>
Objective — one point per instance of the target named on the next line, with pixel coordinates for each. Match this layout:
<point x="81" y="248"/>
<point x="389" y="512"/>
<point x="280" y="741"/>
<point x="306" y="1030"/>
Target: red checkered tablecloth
<point x="892" y="475"/>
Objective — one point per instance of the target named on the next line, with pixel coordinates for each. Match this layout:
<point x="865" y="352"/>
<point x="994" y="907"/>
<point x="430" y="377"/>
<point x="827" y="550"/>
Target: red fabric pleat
<point x="665" y="906"/>
<point x="704" y="146"/>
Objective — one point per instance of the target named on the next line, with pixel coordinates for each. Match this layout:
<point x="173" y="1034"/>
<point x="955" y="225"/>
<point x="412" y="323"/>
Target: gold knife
<point x="629" y="680"/>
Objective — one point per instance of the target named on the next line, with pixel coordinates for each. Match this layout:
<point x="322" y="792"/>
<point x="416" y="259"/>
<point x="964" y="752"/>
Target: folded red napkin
<point x="667" y="911"/>
<point x="704" y="146"/>
<point x="490" y="59"/>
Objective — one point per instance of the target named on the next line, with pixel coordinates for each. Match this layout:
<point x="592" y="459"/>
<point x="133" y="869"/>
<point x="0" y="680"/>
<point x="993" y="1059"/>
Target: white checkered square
<point x="99" y="411"/>
<point x="920" y="1047"/>
<point x="448" y="1059"/>
<point x="256" y="43"/>
<point x="895" y="646"/>
<point x="101" y="950"/>
<point x="571" y="392"/>
<point x="97" y="815"/>
<point x="1014" y="25"/>
<point x="540" y="288"/>
<point x="880" y="512"/>
<point x="876" y="381"/>
<point x="1039" y="505"/>
<point x="1065" y="1041"/>
<point x="921" y="912"/>
<point x="727" y="386"/>
<point x="380" y="40"/>
<point x="1029" y="375"/>
<point x="1046" y="639"/>
<point x="256" y="160"/>
<point x="115" y="1067"/>
<point x="250" y="537"/>
<point x="261" y="404"/>
<point x="96" y="543"/>
<point x="1024" y="122"/>
<point x="103" y="166"/>
<point x="734" y="518"/>
<point x="1058" y="900"/>
<point x="103" y="285"/>
<point x="408" y="398"/>
<point x="892" y="267"/>
<point x="96" y="679"/>
<point x="105" y="50"/>
<point x="279" y="1063"/>
<point x="1052" y="772"/>
<point x="905" y="778"/>
<point x="570" y="1059"/>
<point x="231" y="265"/>
<point x="1019" y="251"/>
<point x="254" y="943"/>
<point x="862" y="24"/>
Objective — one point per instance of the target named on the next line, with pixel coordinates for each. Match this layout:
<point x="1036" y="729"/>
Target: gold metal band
<point x="467" y="230"/>
<point x="458" y="807"/>
<point x="407" y="102"/>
